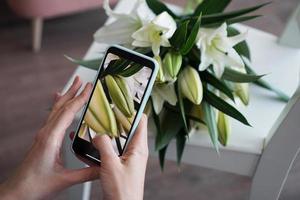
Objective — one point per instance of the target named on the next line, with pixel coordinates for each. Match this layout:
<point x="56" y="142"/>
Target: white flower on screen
<point x="217" y="49"/>
<point x="124" y="24"/>
<point x="137" y="83"/>
<point x="156" y="33"/>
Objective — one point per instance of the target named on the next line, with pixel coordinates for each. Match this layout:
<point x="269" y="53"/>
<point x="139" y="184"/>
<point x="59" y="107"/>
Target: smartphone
<point x="122" y="87"/>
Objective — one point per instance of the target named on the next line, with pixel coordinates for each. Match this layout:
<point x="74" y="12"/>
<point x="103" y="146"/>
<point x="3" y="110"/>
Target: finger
<point x="60" y="100"/>
<point x="72" y="91"/>
<point x="68" y="112"/>
<point x="104" y="145"/>
<point x="82" y="175"/>
<point x="139" y="140"/>
<point x="57" y="96"/>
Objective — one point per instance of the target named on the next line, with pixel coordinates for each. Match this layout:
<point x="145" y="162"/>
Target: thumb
<point x="104" y="145"/>
<point x="76" y="176"/>
<point x="139" y="141"/>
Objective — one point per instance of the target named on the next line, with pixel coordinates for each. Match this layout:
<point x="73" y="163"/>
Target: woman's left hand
<point x="42" y="173"/>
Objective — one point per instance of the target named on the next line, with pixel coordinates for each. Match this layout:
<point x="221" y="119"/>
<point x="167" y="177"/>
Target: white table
<point x="246" y="144"/>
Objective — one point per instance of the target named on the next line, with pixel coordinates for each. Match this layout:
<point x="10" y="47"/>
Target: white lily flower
<point x="124" y="24"/>
<point x="162" y="93"/>
<point x="217" y="49"/>
<point x="156" y="33"/>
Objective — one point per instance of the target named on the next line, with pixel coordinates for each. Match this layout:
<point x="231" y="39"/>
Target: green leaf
<point x="108" y="70"/>
<point x="281" y="95"/>
<point x="158" y="7"/>
<point x="211" y="123"/>
<point x="180" y="144"/>
<point x="93" y="64"/>
<point x="242" y="48"/>
<point x="235" y="76"/>
<point x="179" y="37"/>
<point x="156" y="120"/>
<point x="213" y="18"/>
<point x="223" y="106"/>
<point x="120" y="64"/>
<point x="182" y="110"/>
<point x="169" y="128"/>
<point x="190" y="117"/>
<point x="133" y="69"/>
<point x="218" y="84"/>
<point x="232" y="21"/>
<point x="115" y="67"/>
<point x="162" y="155"/>
<point x="211" y="7"/>
<point x="192" y="37"/>
<point x="264" y="84"/>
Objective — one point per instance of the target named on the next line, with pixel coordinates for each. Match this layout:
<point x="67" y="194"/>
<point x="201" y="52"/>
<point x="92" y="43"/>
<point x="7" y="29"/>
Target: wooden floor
<point x="28" y="82"/>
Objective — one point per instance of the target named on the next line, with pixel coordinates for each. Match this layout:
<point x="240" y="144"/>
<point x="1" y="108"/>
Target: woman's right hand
<point x="123" y="177"/>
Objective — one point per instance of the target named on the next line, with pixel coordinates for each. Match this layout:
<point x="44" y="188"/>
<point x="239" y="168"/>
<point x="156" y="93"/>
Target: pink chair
<point x="39" y="10"/>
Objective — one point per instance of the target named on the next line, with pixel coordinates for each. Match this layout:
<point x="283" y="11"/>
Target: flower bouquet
<point x="205" y="65"/>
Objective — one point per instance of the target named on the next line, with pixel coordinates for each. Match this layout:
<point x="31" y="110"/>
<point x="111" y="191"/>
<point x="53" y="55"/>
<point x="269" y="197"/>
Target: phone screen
<point x="115" y="100"/>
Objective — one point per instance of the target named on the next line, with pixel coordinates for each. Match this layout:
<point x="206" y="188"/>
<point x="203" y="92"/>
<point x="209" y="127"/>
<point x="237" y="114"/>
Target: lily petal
<point x="162" y="93"/>
<point x="144" y="12"/>
<point x="238" y="62"/>
<point x="158" y="102"/>
<point x="238" y="38"/>
<point x="221" y="31"/>
<point x="140" y="43"/>
<point x="117" y="32"/>
<point x="112" y="13"/>
<point x="165" y="20"/>
<point x="156" y="48"/>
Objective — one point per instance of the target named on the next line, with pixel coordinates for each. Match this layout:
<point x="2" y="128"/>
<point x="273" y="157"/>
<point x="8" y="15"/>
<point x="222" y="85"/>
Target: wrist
<point x="122" y="196"/>
<point x="13" y="189"/>
<point x="9" y="192"/>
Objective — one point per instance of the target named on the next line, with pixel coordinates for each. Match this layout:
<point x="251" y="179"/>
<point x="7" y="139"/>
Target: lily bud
<point x="224" y="128"/>
<point x="197" y="112"/>
<point x="123" y="120"/>
<point x="120" y="94"/>
<point x="99" y="115"/>
<point x="190" y="85"/>
<point x="160" y="78"/>
<point x="83" y="130"/>
<point x="242" y="91"/>
<point x="172" y="63"/>
<point x="94" y="122"/>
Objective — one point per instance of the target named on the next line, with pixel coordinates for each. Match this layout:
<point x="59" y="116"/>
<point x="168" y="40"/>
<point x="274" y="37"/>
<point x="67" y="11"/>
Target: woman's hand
<point x="42" y="174"/>
<point x="123" y="177"/>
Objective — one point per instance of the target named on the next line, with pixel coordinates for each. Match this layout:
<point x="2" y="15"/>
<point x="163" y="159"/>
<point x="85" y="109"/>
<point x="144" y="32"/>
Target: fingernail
<point x="57" y="95"/>
<point x="95" y="138"/>
<point x="75" y="79"/>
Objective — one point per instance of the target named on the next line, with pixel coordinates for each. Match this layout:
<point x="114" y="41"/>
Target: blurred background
<point x="29" y="80"/>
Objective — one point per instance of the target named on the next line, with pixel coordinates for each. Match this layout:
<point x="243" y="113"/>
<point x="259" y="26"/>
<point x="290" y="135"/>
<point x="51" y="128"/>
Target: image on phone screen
<point x="115" y="100"/>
